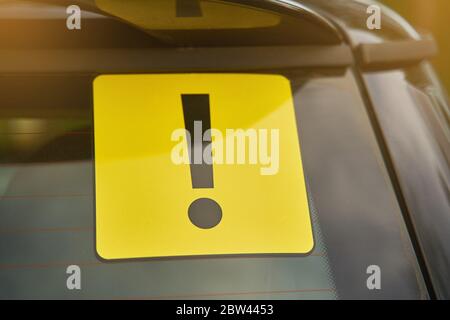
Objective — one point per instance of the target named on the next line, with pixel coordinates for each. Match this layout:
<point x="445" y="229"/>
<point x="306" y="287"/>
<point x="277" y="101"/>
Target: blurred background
<point x="430" y="16"/>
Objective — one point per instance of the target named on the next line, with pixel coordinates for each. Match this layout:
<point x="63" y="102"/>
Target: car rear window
<point x="47" y="206"/>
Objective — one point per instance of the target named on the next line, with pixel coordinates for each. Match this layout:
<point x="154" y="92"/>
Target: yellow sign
<point x="146" y="199"/>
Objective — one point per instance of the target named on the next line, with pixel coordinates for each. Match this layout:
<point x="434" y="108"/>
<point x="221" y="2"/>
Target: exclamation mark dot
<point x="204" y="213"/>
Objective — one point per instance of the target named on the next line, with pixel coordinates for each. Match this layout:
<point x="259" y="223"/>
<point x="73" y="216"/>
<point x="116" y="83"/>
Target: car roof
<point x="345" y="18"/>
<point x="351" y="17"/>
<point x="301" y="23"/>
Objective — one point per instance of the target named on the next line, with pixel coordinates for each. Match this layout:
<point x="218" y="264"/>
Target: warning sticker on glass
<point x="198" y="164"/>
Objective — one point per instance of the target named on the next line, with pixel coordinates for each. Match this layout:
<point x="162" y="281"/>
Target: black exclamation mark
<point x="204" y="213"/>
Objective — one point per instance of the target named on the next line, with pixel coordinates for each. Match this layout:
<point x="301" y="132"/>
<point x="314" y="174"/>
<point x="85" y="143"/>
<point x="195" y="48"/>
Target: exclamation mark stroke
<point x="204" y="213"/>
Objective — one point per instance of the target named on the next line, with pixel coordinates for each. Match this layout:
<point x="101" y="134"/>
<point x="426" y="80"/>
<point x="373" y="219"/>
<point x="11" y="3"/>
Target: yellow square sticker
<point x="198" y="164"/>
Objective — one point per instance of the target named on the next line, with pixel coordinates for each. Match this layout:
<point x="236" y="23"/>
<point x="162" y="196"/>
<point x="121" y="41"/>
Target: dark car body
<point x="373" y="125"/>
